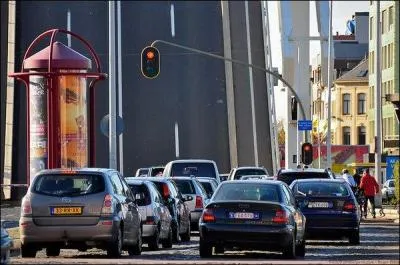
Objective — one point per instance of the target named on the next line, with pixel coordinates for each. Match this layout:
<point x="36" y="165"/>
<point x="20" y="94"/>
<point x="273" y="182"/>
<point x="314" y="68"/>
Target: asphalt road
<point x="379" y="245"/>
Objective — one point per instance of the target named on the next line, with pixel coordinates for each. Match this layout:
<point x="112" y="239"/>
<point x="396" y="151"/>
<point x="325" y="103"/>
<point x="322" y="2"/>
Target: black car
<point x="177" y="206"/>
<point x="330" y="208"/>
<point x="255" y="215"/>
<point x="289" y="175"/>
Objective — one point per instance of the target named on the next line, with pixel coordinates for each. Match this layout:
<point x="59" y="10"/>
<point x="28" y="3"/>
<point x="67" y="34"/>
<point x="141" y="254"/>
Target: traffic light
<point x="293" y="106"/>
<point x="306" y="153"/>
<point x="150" y="62"/>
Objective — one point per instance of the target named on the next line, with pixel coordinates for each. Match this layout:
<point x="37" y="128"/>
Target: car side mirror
<point x="187" y="198"/>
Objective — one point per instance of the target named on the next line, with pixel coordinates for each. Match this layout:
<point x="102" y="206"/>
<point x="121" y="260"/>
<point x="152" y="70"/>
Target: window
<point x="390" y="22"/>
<point x="384" y="21"/>
<point x="362" y="135"/>
<point x="346" y="135"/>
<point x="371" y="97"/>
<point x="371" y="28"/>
<point x="116" y="184"/>
<point x="346" y="104"/>
<point x="361" y="99"/>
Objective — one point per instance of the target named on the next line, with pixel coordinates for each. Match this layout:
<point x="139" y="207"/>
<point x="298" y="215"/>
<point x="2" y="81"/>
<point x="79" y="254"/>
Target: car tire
<point x="354" y="238"/>
<point x="301" y="249"/>
<point x="205" y="249"/>
<point x="167" y="243"/>
<point x="136" y="249"/>
<point x="289" y="251"/>
<point x="28" y="251"/>
<point x="175" y="232"/>
<point x="186" y="236"/>
<point x="114" y="249"/>
<point x="52" y="251"/>
<point x="154" y="241"/>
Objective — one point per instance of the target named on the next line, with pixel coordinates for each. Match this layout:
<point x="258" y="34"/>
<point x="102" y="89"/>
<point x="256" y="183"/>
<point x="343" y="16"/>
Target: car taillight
<point x="280" y="217"/>
<point x="165" y="191"/>
<point x="107" y="205"/>
<point x="208" y="216"/>
<point x="349" y="207"/>
<point x="199" y="202"/>
<point x="26" y="207"/>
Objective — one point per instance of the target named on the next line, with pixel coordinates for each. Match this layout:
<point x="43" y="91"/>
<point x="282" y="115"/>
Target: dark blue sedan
<point x="254" y="215"/>
<point x="330" y="208"/>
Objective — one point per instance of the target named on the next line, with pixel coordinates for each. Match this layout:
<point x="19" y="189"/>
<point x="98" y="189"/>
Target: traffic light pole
<point x="242" y="63"/>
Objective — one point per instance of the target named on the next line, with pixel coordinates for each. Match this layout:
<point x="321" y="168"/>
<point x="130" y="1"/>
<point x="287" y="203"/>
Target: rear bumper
<point x="331" y="226"/>
<point x="247" y="236"/>
<point x="195" y="215"/>
<point x="32" y="233"/>
<point x="149" y="230"/>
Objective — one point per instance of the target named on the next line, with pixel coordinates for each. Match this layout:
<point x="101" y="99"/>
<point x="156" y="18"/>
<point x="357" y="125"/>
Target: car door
<point x="298" y="215"/>
<point x="182" y="207"/>
<point x="133" y="210"/>
<point x="161" y="209"/>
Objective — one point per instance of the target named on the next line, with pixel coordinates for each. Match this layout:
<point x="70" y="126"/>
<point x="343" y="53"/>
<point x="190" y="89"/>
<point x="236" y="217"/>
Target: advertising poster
<point x="38" y="124"/>
<point x="391" y="161"/>
<point x="73" y="121"/>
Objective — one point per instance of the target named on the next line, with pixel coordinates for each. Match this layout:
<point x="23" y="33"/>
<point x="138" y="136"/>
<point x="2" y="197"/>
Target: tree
<point x="281" y="133"/>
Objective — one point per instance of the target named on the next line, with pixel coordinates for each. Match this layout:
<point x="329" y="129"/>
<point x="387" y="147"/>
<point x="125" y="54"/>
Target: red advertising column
<point x="60" y="105"/>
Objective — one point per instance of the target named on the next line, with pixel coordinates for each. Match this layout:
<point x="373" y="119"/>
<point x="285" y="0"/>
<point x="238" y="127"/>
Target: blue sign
<point x="390" y="162"/>
<point x="304" y="125"/>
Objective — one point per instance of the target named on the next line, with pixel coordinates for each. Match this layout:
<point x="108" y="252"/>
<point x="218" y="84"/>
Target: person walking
<point x="371" y="188"/>
<point x="357" y="177"/>
<point x="349" y="179"/>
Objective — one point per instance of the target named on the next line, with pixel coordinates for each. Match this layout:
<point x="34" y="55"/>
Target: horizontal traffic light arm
<point x="242" y="63"/>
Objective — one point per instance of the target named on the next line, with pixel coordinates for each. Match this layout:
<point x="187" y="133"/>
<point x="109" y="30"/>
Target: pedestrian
<point x="357" y="177"/>
<point x="370" y="187"/>
<point x="349" y="179"/>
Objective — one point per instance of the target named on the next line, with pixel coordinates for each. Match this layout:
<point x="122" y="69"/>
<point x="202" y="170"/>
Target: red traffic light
<point x="150" y="55"/>
<point x="150" y="62"/>
<point x="307" y="153"/>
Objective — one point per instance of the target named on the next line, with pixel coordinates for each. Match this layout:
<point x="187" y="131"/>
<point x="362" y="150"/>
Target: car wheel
<point x="52" y="252"/>
<point x="175" y="232"/>
<point x="136" y="249"/>
<point x="354" y="238"/>
<point x="186" y="236"/>
<point x="289" y="251"/>
<point x="154" y="241"/>
<point x="301" y="249"/>
<point x="167" y="243"/>
<point x="115" y="247"/>
<point x="28" y="251"/>
<point x="205" y="249"/>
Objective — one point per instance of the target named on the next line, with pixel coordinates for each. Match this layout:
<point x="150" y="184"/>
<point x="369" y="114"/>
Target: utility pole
<point x="378" y="98"/>
<point x="328" y="135"/>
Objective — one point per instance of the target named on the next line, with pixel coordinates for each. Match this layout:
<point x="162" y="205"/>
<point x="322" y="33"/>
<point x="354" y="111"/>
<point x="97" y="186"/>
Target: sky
<point x="341" y="12"/>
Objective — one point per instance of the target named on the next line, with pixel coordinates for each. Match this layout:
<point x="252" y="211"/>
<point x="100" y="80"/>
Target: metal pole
<point x="328" y="134"/>
<point x="119" y="60"/>
<point x="112" y="89"/>
<point x="241" y="63"/>
<point x="378" y="99"/>
<point x="253" y="112"/>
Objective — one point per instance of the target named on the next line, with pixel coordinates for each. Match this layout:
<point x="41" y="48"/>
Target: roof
<point x="80" y="170"/>
<point x="319" y="180"/>
<point x="192" y="161"/>
<point x="350" y="50"/>
<point x="358" y="73"/>
<point x="259" y="181"/>
<point x="303" y="170"/>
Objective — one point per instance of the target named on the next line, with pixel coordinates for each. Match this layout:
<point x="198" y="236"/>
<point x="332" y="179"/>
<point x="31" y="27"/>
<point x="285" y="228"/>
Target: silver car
<point x="209" y="185"/>
<point x="79" y="209"/>
<point x="156" y="218"/>
<point x="388" y="189"/>
<point x="190" y="186"/>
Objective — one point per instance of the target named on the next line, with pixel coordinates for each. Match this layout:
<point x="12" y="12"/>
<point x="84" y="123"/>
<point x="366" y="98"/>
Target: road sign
<point x="304" y="125"/>
<point x="105" y="123"/>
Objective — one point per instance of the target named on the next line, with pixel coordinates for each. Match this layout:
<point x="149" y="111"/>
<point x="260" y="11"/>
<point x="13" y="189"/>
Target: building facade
<point x="389" y="14"/>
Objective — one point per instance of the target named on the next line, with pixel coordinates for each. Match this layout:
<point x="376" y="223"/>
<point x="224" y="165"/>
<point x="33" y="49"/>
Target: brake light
<point x="26" y="207"/>
<point x="107" y="205"/>
<point x="150" y="220"/>
<point x="208" y="216"/>
<point x="349" y="207"/>
<point x="165" y="191"/>
<point x="199" y="202"/>
<point x="280" y="217"/>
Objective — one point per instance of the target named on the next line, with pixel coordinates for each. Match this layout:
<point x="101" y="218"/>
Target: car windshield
<point x="141" y="194"/>
<point x="195" y="169"/>
<point x="69" y="185"/>
<point x="289" y="177"/>
<point x="185" y="186"/>
<point x="251" y="192"/>
<point x="321" y="189"/>
<point x="245" y="172"/>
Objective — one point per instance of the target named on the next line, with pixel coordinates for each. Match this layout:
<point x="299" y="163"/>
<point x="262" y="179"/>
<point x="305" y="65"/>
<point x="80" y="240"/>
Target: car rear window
<point x="207" y="187"/>
<point x="245" y="172"/>
<point x="289" y="177"/>
<point x="143" y="192"/>
<point x="324" y="189"/>
<point x="185" y="186"/>
<point x="196" y="169"/>
<point x="157" y="171"/>
<point x="251" y="192"/>
<point x="69" y="185"/>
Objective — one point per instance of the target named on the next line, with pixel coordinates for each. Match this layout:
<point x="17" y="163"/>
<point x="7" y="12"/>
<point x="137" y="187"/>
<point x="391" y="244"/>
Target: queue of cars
<point x="249" y="209"/>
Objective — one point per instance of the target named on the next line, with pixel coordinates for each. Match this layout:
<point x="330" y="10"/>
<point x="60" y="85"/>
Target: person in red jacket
<point x="370" y="187"/>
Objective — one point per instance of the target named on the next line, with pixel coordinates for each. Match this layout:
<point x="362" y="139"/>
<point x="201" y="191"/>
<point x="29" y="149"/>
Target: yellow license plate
<point x="66" y="210"/>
